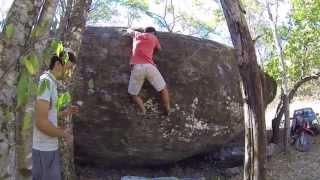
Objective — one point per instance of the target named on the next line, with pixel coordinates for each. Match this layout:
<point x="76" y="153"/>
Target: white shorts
<point x="139" y="73"/>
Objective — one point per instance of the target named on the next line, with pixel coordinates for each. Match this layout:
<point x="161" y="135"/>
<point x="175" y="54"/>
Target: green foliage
<point x="26" y="87"/>
<point x="65" y="58"/>
<point x="267" y="38"/>
<point x="272" y="64"/>
<point x="301" y="47"/>
<point x="56" y="47"/>
<point x="31" y="63"/>
<point x="306" y="10"/>
<point x="9" y="31"/>
<point x="102" y="10"/>
<point x="63" y="101"/>
<point x="23" y="90"/>
<point x="272" y="68"/>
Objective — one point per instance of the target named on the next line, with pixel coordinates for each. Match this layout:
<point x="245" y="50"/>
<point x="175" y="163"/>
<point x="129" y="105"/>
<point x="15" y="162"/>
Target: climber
<point x="145" y="44"/>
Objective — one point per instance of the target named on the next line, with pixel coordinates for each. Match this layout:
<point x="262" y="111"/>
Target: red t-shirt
<point x="143" y="47"/>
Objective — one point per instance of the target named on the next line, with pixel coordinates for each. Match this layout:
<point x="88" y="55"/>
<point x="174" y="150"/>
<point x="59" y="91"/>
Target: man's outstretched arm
<point x="131" y="31"/>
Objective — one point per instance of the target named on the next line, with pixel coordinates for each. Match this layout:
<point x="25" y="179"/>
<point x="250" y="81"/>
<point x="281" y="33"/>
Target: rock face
<point x="203" y="80"/>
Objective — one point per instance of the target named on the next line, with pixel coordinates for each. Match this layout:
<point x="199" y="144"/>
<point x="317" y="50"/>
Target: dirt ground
<point x="294" y="165"/>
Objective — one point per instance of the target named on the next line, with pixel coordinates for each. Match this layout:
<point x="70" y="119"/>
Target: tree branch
<point x="173" y="17"/>
<point x="300" y="83"/>
<point x="165" y="9"/>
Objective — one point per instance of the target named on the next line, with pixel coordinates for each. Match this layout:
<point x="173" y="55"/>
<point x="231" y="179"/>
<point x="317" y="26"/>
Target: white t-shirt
<point x="42" y="141"/>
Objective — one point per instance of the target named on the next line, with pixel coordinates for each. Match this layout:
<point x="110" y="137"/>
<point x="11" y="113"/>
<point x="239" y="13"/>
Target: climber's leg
<point x="165" y="100"/>
<point x="137" y="99"/>
<point x="135" y="83"/>
<point x="157" y="81"/>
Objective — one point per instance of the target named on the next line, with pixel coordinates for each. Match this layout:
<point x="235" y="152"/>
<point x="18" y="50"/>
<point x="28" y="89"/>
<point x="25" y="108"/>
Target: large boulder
<point x="203" y="79"/>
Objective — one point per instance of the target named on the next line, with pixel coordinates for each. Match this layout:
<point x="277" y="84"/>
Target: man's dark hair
<point x="72" y="57"/>
<point x="55" y="58"/>
<point x="150" y="30"/>
<point x="53" y="61"/>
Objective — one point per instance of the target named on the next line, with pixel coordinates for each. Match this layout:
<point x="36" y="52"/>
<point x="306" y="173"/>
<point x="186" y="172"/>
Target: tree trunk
<point x="255" y="141"/>
<point x="72" y="35"/>
<point x="44" y="22"/>
<point x="65" y="19"/>
<point x="283" y="74"/>
<point x="14" y="39"/>
<point x="276" y="121"/>
<point x="75" y="23"/>
<point x="37" y="43"/>
<point x="281" y="108"/>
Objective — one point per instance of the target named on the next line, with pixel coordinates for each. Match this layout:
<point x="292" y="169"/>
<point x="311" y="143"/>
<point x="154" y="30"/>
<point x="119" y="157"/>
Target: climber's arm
<point x="132" y="31"/>
<point x="157" y="48"/>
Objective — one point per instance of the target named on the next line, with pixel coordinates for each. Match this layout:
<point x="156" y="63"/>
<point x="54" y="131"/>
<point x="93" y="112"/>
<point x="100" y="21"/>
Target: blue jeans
<point x="46" y="165"/>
